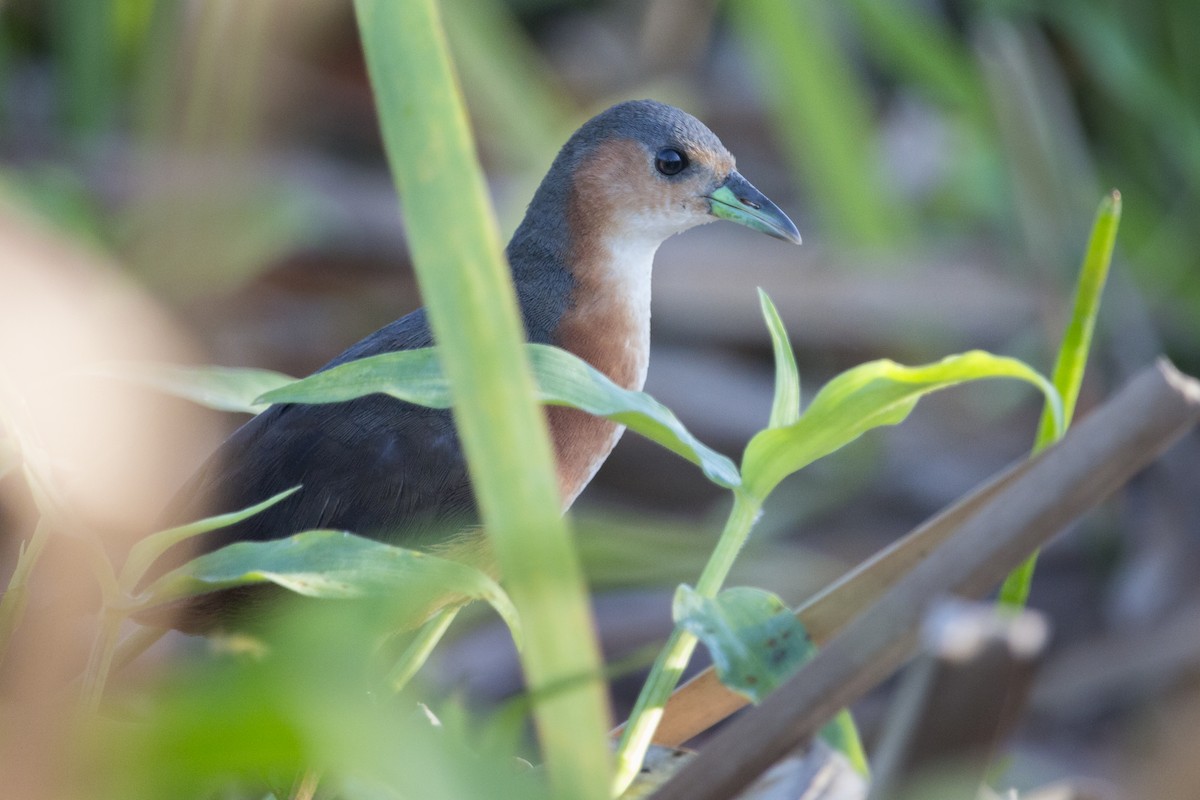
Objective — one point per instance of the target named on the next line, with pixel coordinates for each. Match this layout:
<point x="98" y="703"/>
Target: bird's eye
<point x="670" y="161"/>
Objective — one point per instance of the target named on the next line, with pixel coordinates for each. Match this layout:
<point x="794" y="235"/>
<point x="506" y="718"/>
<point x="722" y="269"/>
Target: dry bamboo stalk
<point x="1096" y="457"/>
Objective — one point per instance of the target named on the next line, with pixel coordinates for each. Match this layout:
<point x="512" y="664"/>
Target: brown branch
<point x="1099" y="454"/>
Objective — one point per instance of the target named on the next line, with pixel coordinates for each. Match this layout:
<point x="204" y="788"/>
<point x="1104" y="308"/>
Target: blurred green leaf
<point x="920" y="48"/>
<point x="473" y="311"/>
<point x="61" y="196"/>
<point x="249" y="717"/>
<point x="334" y="564"/>
<point x="842" y="735"/>
<point x="83" y="37"/>
<point x="785" y="407"/>
<point x="755" y="640"/>
<point x="223" y="388"/>
<point x="209" y="232"/>
<point x="822" y="111"/>
<point x="865" y="397"/>
<point x="415" y="376"/>
<point x="513" y="92"/>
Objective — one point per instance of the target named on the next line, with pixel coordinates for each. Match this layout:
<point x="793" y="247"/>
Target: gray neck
<point x="539" y="255"/>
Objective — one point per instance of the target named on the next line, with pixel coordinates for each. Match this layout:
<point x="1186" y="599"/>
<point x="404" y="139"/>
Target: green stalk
<point x="100" y="660"/>
<point x="472" y="307"/>
<point x="668" y="669"/>
<point x="417" y="652"/>
<point x="1072" y="360"/>
<point x="82" y="32"/>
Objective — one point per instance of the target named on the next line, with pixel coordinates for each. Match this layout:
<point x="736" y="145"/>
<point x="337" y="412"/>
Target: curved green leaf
<point x="865" y="397"/>
<point x="415" y="376"/>
<point x="333" y="564"/>
<point x="785" y="407"/>
<point x="755" y="640"/>
<point x="564" y="379"/>
<point x="146" y="551"/>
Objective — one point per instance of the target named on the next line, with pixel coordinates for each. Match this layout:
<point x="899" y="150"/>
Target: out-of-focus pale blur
<point x="106" y="453"/>
<point x="203" y="182"/>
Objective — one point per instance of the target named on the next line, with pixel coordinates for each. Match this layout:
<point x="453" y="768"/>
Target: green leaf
<point x="1072" y="360"/>
<point x="563" y="379"/>
<point x="865" y="397"/>
<point x="467" y="287"/>
<point x="222" y="388"/>
<point x="755" y="640"/>
<point x="785" y="407"/>
<point x="414" y="376"/>
<point x="147" y="551"/>
<point x="1077" y="338"/>
<point x="333" y="564"/>
<point x="841" y="734"/>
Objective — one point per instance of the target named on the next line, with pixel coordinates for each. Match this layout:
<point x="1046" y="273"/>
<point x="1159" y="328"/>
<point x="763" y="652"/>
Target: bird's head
<point x="653" y="171"/>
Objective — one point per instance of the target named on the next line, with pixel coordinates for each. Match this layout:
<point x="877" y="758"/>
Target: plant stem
<point x="12" y="604"/>
<point x="307" y="788"/>
<point x="100" y="660"/>
<point x="418" y="650"/>
<point x="135" y="644"/>
<point x="668" y="668"/>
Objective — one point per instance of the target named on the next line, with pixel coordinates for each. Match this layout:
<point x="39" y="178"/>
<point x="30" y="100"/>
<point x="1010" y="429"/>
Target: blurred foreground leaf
<point x="223" y="388"/>
<point x="241" y="723"/>
<point x="474" y="315"/>
<point x="334" y="564"/>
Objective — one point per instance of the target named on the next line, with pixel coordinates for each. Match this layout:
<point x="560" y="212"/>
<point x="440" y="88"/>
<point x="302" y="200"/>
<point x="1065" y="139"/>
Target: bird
<point x="628" y="179"/>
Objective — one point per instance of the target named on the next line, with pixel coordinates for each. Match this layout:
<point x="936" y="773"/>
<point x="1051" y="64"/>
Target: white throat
<point x="630" y="263"/>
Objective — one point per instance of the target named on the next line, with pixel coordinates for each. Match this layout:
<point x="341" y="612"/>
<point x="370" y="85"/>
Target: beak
<point x="738" y="201"/>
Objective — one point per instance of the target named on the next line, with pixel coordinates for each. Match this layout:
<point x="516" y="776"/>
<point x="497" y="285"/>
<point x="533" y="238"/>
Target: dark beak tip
<point x="738" y="200"/>
<point x="787" y="231"/>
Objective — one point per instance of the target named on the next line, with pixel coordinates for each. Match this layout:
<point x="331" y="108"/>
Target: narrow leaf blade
<point x="146" y="551"/>
<point x="1072" y="359"/>
<point x="785" y="407"/>
<point x="564" y="379"/>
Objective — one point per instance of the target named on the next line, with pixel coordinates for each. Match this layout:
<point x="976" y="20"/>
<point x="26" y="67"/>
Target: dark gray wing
<point x="375" y="466"/>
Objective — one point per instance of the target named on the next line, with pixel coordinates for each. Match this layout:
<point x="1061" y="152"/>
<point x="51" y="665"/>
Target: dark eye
<point x="670" y="161"/>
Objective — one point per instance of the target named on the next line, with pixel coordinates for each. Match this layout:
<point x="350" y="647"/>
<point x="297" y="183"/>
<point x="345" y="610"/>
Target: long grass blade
<point x="1072" y="358"/>
<point x="473" y="311"/>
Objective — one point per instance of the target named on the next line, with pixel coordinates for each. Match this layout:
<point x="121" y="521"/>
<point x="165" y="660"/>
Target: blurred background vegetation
<point x="942" y="158"/>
